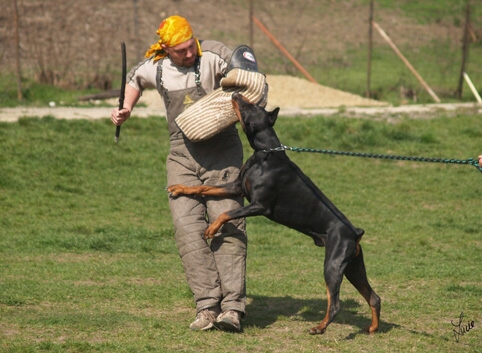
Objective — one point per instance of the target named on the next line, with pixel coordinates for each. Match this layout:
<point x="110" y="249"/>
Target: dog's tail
<point x="359" y="232"/>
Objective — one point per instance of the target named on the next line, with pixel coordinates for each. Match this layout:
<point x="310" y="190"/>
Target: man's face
<point x="183" y="54"/>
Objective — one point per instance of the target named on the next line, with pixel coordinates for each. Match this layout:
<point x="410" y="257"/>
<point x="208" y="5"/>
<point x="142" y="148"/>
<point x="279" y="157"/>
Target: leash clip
<point x="276" y="149"/>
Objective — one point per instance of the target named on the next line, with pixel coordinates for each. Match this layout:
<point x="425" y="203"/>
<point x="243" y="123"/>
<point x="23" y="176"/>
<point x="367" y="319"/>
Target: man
<point x="184" y="69"/>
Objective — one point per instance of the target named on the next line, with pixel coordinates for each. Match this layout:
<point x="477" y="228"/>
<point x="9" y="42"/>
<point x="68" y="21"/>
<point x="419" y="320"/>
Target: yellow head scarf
<point x="172" y="31"/>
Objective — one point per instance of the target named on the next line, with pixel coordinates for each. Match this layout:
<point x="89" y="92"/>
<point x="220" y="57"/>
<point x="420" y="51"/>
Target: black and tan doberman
<point x="277" y="189"/>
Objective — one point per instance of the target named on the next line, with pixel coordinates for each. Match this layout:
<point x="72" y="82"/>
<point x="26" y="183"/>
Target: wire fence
<point x="74" y="44"/>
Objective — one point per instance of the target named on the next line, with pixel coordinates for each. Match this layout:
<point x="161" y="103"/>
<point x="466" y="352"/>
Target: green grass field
<point x="88" y="261"/>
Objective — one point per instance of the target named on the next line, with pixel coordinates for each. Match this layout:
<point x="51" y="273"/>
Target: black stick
<point x="123" y="88"/>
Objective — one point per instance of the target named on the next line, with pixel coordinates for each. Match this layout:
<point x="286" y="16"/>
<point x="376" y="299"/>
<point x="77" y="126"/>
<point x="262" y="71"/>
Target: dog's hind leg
<point x="331" y="310"/>
<point x="355" y="273"/>
<point x="336" y="259"/>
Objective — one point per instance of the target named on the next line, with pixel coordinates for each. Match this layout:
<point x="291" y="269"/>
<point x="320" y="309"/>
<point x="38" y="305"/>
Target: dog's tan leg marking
<point x="321" y="327"/>
<point x="216" y="225"/>
<point x="201" y="190"/>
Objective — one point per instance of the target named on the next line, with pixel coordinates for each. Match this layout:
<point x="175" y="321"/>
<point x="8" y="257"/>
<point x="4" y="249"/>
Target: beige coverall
<point x="215" y="272"/>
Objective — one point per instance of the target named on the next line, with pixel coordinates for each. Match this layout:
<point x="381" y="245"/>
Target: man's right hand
<point x="118" y="117"/>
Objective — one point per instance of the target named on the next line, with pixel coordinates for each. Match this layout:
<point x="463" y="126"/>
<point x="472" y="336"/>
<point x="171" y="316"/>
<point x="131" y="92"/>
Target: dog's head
<point x="257" y="123"/>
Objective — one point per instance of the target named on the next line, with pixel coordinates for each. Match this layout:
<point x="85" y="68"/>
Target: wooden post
<point x="407" y="63"/>
<point x="472" y="88"/>
<point x="17" y="51"/>
<point x="465" y="50"/>
<point x="370" y="46"/>
<point x="283" y="50"/>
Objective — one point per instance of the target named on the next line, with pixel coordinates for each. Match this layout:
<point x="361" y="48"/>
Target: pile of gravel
<point x="289" y="92"/>
<point x="294" y="92"/>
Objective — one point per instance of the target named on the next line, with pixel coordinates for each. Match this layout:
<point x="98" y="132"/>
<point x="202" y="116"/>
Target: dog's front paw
<point x="175" y="190"/>
<point x="208" y="234"/>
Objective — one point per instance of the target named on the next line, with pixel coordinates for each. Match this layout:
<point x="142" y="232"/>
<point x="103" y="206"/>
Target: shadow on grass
<point x="263" y="311"/>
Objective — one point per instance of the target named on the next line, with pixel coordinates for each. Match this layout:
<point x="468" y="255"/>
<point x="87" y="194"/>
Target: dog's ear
<point x="272" y="116"/>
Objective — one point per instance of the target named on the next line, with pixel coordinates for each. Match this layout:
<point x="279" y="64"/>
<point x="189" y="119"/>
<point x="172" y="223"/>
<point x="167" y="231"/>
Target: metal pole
<point x="283" y="50"/>
<point x="251" y="31"/>
<point x="465" y="50"/>
<point x="370" y="46"/>
<point x="17" y="51"/>
<point x="136" y="31"/>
